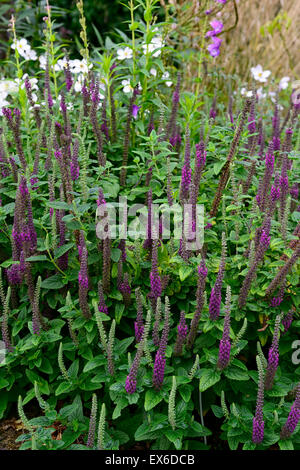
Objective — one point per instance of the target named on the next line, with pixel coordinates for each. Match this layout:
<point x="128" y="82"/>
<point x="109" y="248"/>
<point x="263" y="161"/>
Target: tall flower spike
<point x="258" y="420"/>
<point x="262" y="245"/>
<point x="4" y="324"/>
<point x="155" y="332"/>
<point x="182" y="330"/>
<point x="160" y="359"/>
<point x="131" y="380"/>
<point x="84" y="284"/>
<point x="93" y="421"/>
<point x="125" y="290"/>
<point x="171" y="406"/>
<point x="202" y="274"/>
<point x="226" y="168"/>
<point x="139" y="323"/>
<point x="273" y="357"/>
<point x="155" y="281"/>
<point x="110" y="348"/>
<point x="101" y="305"/>
<point x="293" y="418"/>
<point x="171" y="127"/>
<point x="215" y="296"/>
<point x="186" y="174"/>
<point x="36" y="318"/>
<point x="101" y="428"/>
<point x="225" y="346"/>
<point x="287" y="321"/>
<point x="123" y="172"/>
<point x="148" y="242"/>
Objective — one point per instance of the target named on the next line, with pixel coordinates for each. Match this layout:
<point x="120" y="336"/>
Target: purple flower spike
<point x="182" y="330"/>
<point x="273" y="357"/>
<point x="258" y="431"/>
<point x="130" y="385"/>
<point x="159" y="370"/>
<point x="293" y="418"/>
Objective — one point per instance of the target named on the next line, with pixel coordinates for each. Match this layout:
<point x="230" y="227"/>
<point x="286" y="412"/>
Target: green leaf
<point x="286" y="444"/>
<point x="233" y="442"/>
<point x="63" y="388"/>
<point x="152" y="398"/>
<point x="185" y="391"/>
<point x="184" y="272"/>
<point x="119" y="309"/>
<point x="175" y="436"/>
<point x="62" y="250"/>
<point x="53" y="282"/>
<point x="115" y="254"/>
<point x="195" y="429"/>
<point x="208" y="378"/>
<point x="142" y="433"/>
<point x="38" y="258"/>
<point x="234" y="373"/>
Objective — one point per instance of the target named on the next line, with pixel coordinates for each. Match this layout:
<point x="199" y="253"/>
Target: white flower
<point x="79" y="66"/>
<point x="124" y="53"/>
<point x="155" y="45"/>
<point x="62" y="63"/>
<point x="246" y="93"/>
<point x="79" y="83"/>
<point x="3" y="101"/>
<point x="7" y="87"/>
<point x="30" y="54"/>
<point x="259" y="74"/>
<point x="43" y="61"/>
<point x="153" y="72"/>
<point x="165" y="76"/>
<point x="21" y="45"/>
<point x="24" y="49"/>
<point x="260" y="93"/>
<point x="127" y="88"/>
<point x="284" y="83"/>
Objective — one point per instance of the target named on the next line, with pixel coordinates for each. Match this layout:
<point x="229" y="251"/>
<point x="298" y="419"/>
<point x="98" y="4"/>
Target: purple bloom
<point x="155" y="281"/>
<point x="135" y="110"/>
<point x="214" y="47"/>
<point x="130" y="385"/>
<point x="214" y="303"/>
<point x="182" y="330"/>
<point x="273" y="357"/>
<point x="13" y="275"/>
<point x="258" y="420"/>
<point x="215" y="296"/>
<point x="225" y="346"/>
<point x="287" y="321"/>
<point x="217" y="28"/>
<point x="101" y="305"/>
<point x="293" y="418"/>
<point x="158" y="370"/>
<point x="258" y="430"/>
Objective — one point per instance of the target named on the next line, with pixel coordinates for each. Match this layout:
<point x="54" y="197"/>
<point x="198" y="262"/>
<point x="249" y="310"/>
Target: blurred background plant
<point x="255" y="31"/>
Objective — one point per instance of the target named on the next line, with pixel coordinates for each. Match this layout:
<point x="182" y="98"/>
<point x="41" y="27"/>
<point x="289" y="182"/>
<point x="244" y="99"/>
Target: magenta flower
<point x="214" y="48"/>
<point x="217" y="28"/>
